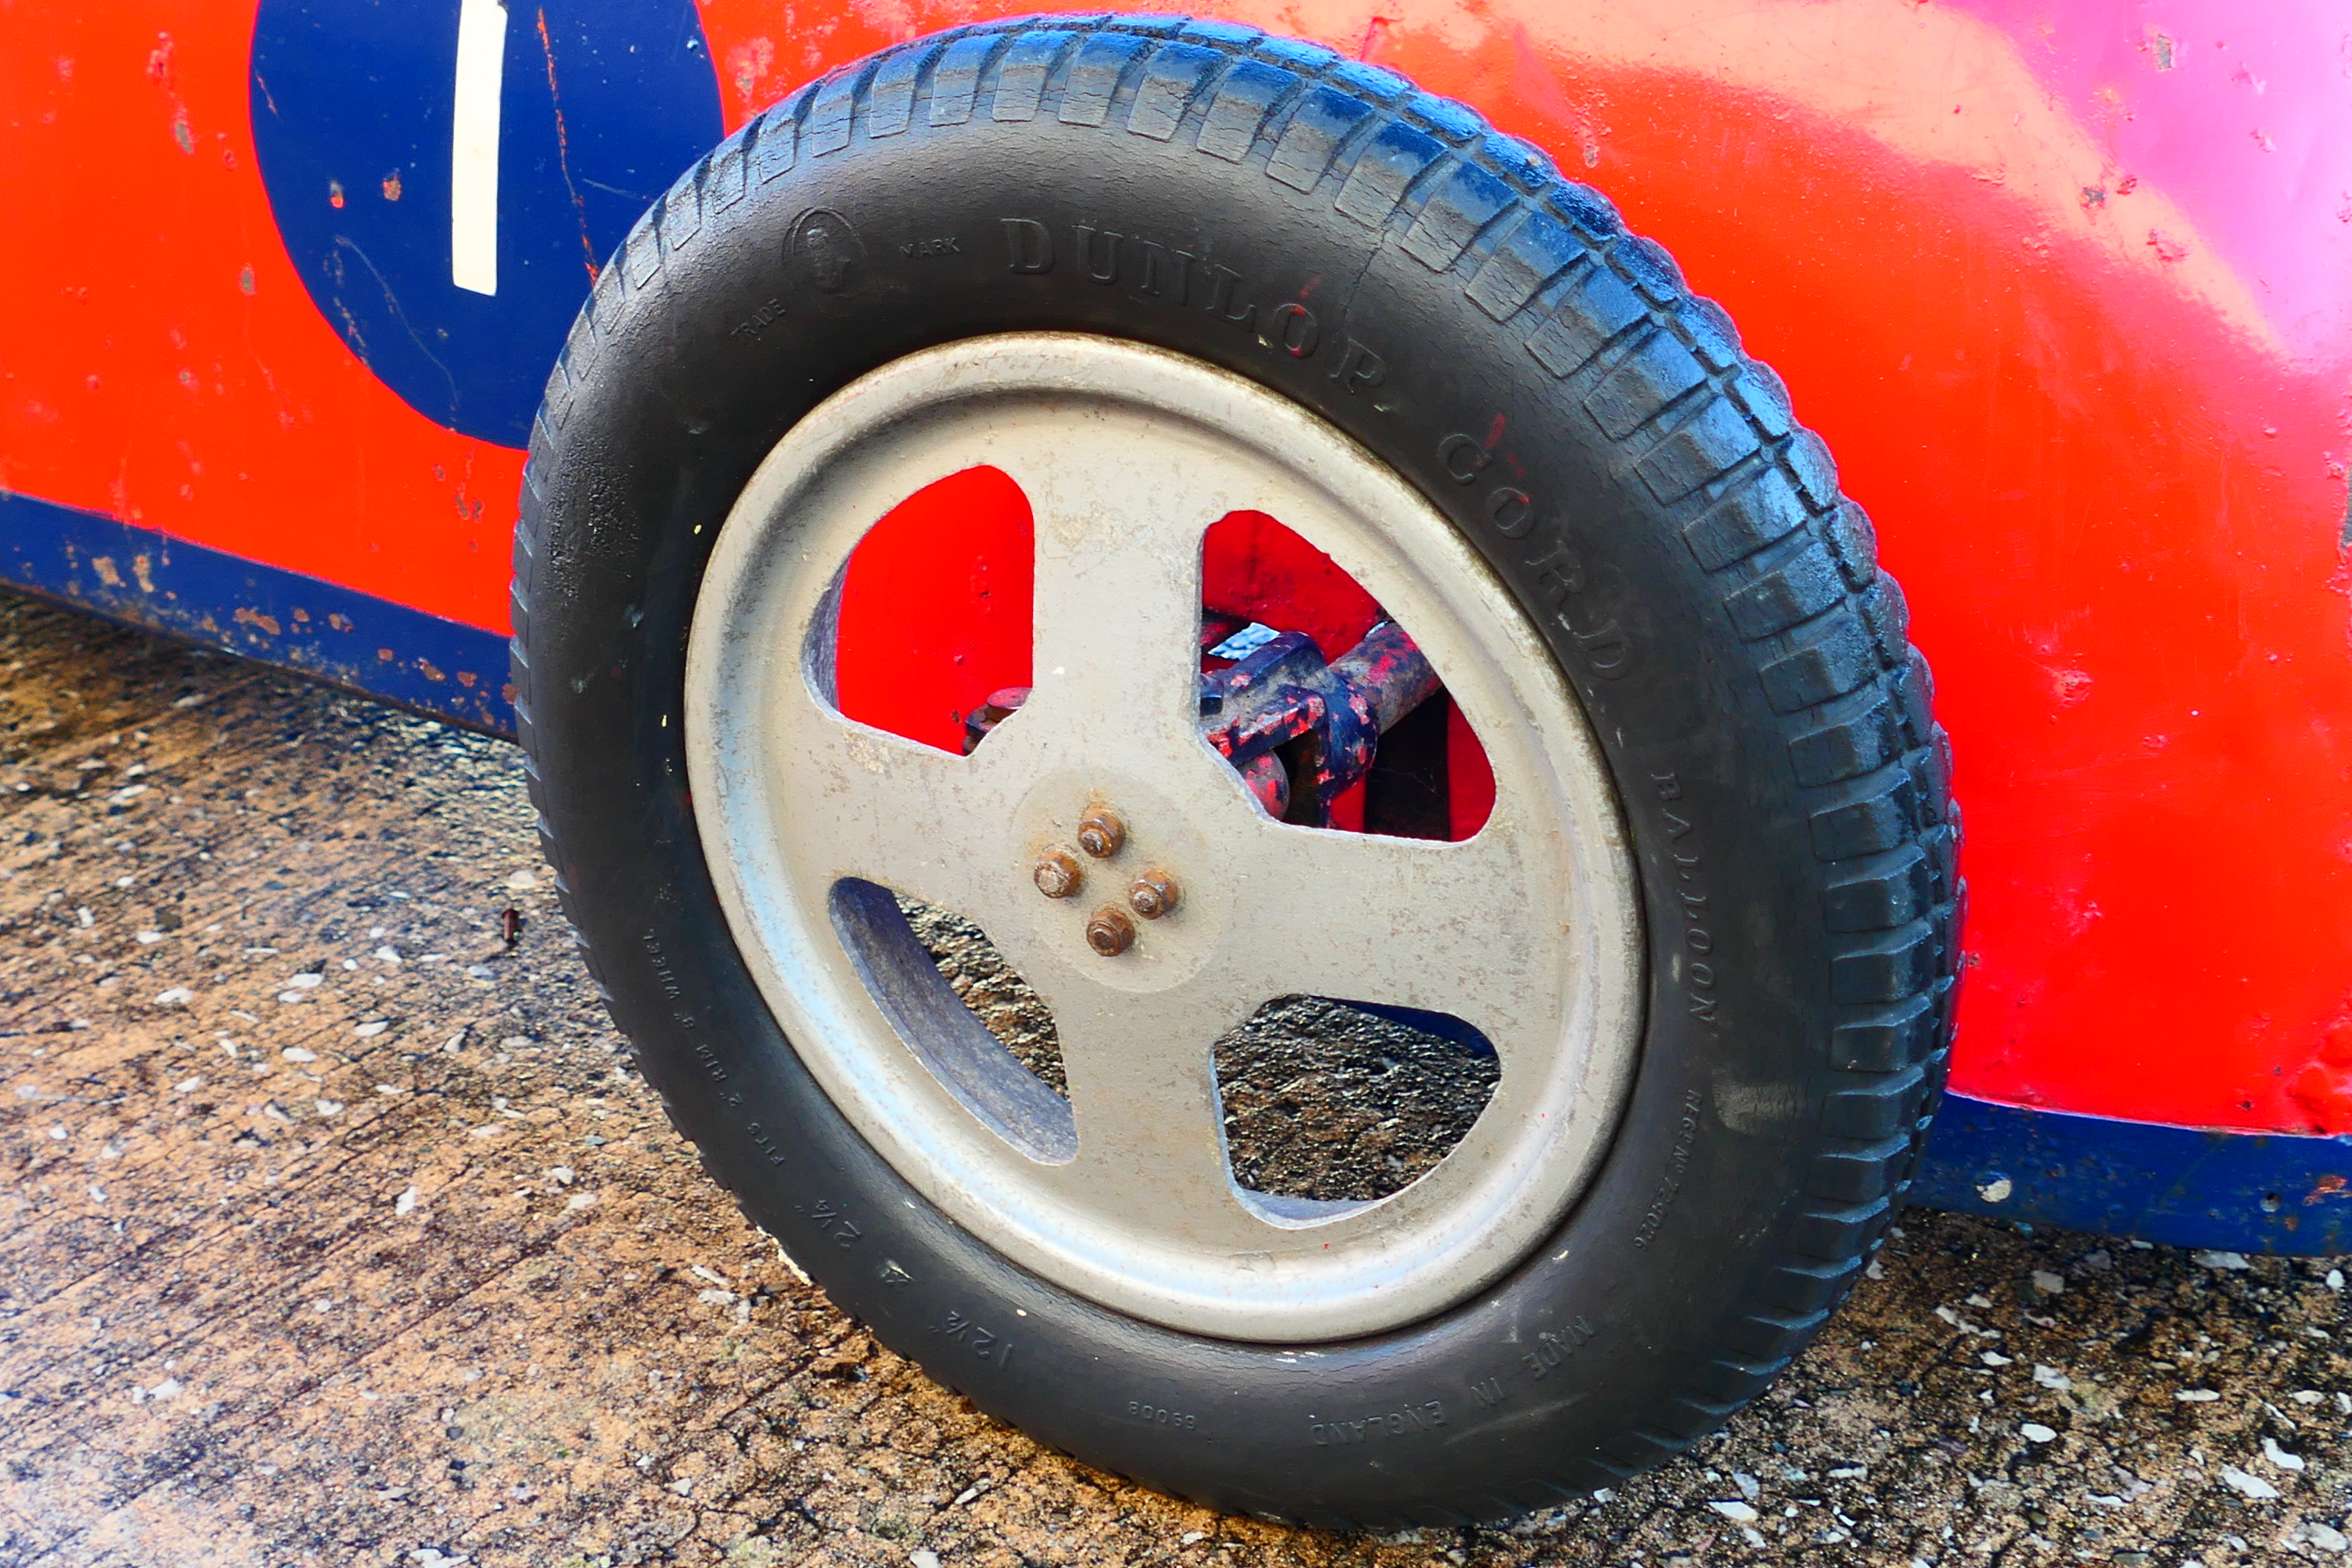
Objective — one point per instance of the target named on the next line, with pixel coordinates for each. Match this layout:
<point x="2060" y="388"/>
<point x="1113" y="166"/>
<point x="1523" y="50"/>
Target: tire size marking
<point x="1155" y="271"/>
<point x="831" y="1223"/>
<point x="1696" y="962"/>
<point x="1670" y="1185"/>
<point x="1554" y="1346"/>
<point x="1405" y="1421"/>
<point x="986" y="1343"/>
<point x="1161" y="1415"/>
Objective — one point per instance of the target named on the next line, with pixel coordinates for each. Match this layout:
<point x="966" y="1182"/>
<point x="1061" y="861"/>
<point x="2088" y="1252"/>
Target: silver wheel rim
<point x="1529" y="929"/>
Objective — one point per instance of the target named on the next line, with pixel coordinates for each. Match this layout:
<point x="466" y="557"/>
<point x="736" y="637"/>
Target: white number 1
<point x="474" y="146"/>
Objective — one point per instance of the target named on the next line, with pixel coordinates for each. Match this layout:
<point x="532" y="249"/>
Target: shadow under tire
<point x="1438" y="294"/>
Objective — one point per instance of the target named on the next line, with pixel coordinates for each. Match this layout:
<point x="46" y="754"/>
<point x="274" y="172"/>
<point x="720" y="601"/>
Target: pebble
<point x="1737" y="1512"/>
<point x="2254" y="1486"/>
<point x="2051" y="1378"/>
<point x="2220" y="1259"/>
<point x="2037" y="1433"/>
<point x="2195" y="1396"/>
<point x="918" y="1558"/>
<point x="2278" y="1455"/>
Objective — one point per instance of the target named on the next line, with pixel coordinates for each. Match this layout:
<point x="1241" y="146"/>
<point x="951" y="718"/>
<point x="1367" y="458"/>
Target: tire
<point x="1635" y="484"/>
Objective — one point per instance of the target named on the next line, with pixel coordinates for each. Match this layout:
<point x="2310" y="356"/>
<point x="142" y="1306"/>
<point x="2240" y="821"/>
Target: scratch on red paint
<point x="564" y="146"/>
<point x="1373" y="31"/>
<point x="159" y="71"/>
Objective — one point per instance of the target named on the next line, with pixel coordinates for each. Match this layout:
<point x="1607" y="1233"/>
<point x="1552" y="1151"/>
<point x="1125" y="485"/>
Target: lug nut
<point x="1101" y="832"/>
<point x="1057" y="873"/>
<point x="1110" y="931"/>
<point x="1153" y="894"/>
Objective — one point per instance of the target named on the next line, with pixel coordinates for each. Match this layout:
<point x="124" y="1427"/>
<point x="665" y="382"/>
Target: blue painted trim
<point x="125" y="572"/>
<point x="2187" y="1186"/>
<point x="2184" y="1186"/>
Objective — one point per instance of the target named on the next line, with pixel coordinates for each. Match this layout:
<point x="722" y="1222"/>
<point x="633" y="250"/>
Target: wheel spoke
<point x="865" y="803"/>
<point x="1453" y="928"/>
<point x="1119" y="519"/>
<point x="1143" y="1089"/>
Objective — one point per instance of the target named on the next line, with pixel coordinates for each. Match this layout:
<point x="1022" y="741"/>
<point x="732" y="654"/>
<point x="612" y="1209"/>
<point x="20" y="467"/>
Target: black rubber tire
<point x="1552" y="387"/>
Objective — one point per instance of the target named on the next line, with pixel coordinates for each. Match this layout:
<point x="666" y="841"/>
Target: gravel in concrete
<point x="335" y="1229"/>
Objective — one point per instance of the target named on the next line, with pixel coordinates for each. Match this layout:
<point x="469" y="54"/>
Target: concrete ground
<point x="334" y="1229"/>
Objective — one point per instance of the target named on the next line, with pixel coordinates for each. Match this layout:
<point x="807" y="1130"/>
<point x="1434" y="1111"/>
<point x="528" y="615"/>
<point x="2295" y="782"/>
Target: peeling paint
<point x="262" y="612"/>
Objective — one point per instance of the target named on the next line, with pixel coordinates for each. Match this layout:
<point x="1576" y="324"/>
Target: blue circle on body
<point x="598" y="107"/>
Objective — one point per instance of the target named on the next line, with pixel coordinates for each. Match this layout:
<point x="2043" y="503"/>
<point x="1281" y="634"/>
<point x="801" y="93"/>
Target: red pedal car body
<point x="2068" y="293"/>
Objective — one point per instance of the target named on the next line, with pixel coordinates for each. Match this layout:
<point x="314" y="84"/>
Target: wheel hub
<point x="1095" y="927"/>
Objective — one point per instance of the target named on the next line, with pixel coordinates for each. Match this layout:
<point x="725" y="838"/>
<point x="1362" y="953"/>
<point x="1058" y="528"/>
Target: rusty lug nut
<point x="1101" y="832"/>
<point x="1057" y="874"/>
<point x="1153" y="894"/>
<point x="1110" y="932"/>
